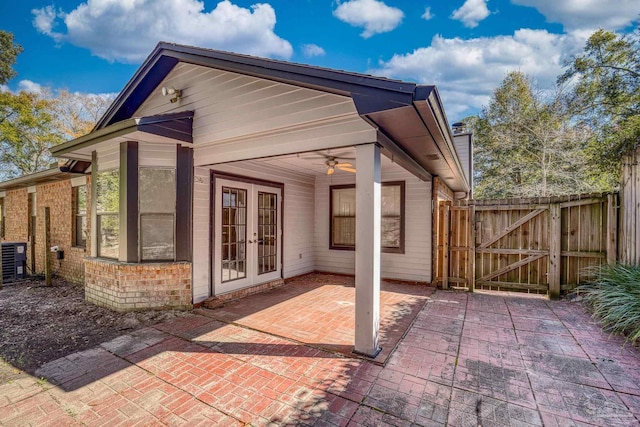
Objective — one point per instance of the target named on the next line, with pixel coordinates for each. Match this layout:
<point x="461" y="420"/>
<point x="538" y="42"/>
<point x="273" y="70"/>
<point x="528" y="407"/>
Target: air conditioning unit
<point x="14" y="261"/>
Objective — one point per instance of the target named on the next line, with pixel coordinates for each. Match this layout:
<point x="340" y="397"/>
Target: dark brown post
<point x="184" y="197"/>
<point x="129" y="201"/>
<point x="47" y="247"/>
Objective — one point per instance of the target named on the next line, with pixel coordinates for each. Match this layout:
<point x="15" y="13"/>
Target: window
<point x="107" y="213"/>
<point x="343" y="217"/>
<point x="80" y="215"/>
<point x="157" y="207"/>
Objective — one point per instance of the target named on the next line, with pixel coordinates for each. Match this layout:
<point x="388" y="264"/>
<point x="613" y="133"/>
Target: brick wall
<point x="16" y="204"/>
<point x="58" y="197"/>
<point x="129" y="287"/>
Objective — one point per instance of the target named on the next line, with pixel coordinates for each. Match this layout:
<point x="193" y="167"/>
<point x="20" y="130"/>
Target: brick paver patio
<point x="467" y="360"/>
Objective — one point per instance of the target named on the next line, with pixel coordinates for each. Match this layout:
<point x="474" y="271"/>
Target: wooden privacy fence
<point x="629" y="230"/>
<point x="540" y="245"/>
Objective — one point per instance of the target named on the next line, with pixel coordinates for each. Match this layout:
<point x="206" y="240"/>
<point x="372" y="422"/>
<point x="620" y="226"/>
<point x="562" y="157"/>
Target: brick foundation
<point x="132" y="287"/>
<point x="220" y="300"/>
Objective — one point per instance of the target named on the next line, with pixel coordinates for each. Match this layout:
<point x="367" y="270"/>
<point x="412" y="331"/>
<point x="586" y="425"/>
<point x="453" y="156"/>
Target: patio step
<point x="220" y="300"/>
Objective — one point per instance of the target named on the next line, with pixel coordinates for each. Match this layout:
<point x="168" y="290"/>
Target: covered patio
<point x="251" y="174"/>
<point x="318" y="309"/>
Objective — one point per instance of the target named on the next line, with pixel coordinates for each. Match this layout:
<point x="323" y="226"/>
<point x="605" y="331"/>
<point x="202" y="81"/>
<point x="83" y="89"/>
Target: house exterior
<point x="22" y="201"/>
<point x="215" y="174"/>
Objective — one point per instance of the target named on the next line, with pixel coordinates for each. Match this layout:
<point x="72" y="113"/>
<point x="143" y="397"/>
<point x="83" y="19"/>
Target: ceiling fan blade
<point x="347" y="165"/>
<point x="344" y="168"/>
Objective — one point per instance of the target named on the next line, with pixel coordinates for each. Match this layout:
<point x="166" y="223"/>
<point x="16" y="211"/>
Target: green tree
<point x="606" y="97"/>
<point x="526" y="144"/>
<point x="9" y="51"/>
<point x="77" y="113"/>
<point x="27" y="131"/>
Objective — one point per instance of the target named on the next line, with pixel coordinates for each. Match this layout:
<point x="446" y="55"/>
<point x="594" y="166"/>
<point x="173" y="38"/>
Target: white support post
<point x="368" y="208"/>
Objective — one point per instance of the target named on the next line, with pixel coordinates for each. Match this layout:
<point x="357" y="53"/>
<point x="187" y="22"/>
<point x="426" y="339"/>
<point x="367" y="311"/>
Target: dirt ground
<point x="39" y="324"/>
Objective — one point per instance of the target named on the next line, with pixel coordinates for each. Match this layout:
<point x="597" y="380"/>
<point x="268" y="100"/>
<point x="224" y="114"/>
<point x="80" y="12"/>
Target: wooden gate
<point x="540" y="245"/>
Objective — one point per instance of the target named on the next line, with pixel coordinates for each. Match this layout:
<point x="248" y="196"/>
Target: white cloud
<point x="586" y="14"/>
<point x="127" y="30"/>
<point x="29" y="86"/>
<point x="373" y="15"/>
<point x="44" y="19"/>
<point x="471" y="13"/>
<point x="311" y="49"/>
<point x="468" y="71"/>
<point x="427" y="15"/>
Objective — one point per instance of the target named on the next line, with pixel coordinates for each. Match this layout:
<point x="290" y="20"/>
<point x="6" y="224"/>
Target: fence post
<point x="472" y="248"/>
<point x="47" y="243"/>
<point x="555" y="245"/>
<point x="612" y="229"/>
<point x="446" y="219"/>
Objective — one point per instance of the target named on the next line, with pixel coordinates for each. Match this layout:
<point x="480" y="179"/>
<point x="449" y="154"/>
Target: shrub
<point x="614" y="298"/>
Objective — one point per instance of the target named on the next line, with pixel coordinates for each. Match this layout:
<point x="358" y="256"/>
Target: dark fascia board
<point x="175" y="125"/>
<point x="37" y="178"/>
<point x="370" y="93"/>
<point x="75" y="166"/>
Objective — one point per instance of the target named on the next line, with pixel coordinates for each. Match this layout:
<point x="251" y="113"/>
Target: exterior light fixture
<point x="175" y="93"/>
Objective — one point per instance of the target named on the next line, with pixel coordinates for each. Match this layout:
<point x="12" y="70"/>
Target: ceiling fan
<point x="333" y="162"/>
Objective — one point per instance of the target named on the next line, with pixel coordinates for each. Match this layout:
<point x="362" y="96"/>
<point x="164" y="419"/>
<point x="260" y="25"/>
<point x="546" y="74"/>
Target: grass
<point x="614" y="298"/>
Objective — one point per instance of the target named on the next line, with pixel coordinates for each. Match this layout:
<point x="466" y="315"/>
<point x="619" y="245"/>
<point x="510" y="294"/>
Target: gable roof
<point x="410" y="115"/>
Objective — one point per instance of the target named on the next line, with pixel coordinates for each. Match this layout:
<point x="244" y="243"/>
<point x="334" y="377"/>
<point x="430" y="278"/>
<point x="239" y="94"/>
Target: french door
<point x="247" y="235"/>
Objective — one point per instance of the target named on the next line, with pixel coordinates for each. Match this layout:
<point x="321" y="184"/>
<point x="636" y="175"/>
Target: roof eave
<point x="143" y="124"/>
<point x="118" y="129"/>
<point x="37" y="178"/>
<point x="440" y="130"/>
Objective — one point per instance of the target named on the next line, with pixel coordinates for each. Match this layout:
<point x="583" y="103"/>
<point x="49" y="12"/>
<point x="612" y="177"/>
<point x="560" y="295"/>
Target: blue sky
<point x="463" y="46"/>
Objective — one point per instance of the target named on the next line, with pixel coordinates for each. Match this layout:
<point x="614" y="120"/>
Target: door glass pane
<point x="234" y="233"/>
<point x="267" y="235"/>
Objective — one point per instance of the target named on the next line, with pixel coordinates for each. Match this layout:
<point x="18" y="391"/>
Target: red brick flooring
<point x="319" y="310"/>
<point x="467" y="360"/>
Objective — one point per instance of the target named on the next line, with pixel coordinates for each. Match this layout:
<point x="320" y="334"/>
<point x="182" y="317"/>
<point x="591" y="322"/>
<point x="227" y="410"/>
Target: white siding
<point x="299" y="252"/>
<point x="463" y="144"/>
<point x="201" y="258"/>
<point x="240" y="117"/>
<point x="156" y="155"/>
<point x="108" y="157"/>
<point x="415" y="263"/>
